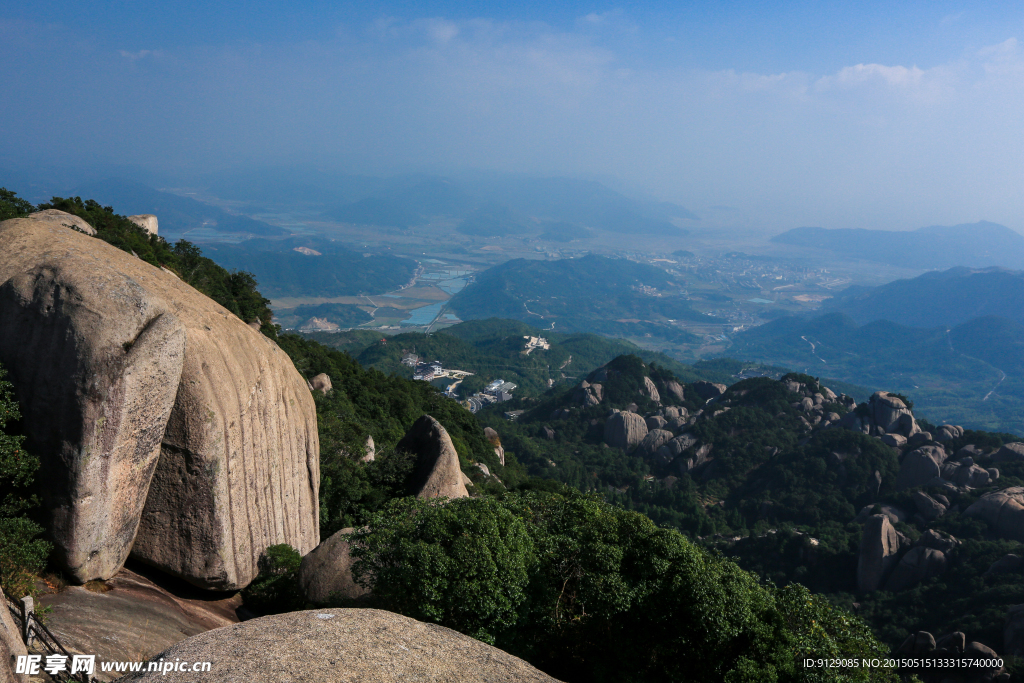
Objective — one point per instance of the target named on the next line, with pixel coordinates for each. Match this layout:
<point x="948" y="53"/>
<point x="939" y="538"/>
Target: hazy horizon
<point x="860" y="116"/>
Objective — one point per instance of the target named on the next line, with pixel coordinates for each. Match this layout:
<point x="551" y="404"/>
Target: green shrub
<point x="22" y="553"/>
<point x="276" y="587"/>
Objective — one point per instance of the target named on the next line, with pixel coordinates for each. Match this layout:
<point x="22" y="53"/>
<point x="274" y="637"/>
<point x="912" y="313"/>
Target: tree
<point x="13" y="206"/>
<point x="22" y="553"/>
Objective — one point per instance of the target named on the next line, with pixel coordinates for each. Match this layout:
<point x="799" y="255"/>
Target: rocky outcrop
<point x="894" y="514"/>
<point x="650" y="391"/>
<point x="1003" y="511"/>
<point x="948" y="433"/>
<point x="343" y="645"/>
<point x="166" y="426"/>
<point x="709" y="390"/>
<point x="887" y="410"/>
<point x="700" y="456"/>
<point x="321" y="383"/>
<point x="675" y="447"/>
<point x="587" y="394"/>
<point x="369" y="450"/>
<point x="327" y="570"/>
<point x="923" y="646"/>
<point x="147" y="222"/>
<point x="966" y="473"/>
<point x="937" y="541"/>
<point x="11" y="646"/>
<point x="1007" y="564"/>
<point x="495" y="441"/>
<point x="656" y="422"/>
<point x="62" y="218"/>
<point x="928" y="507"/>
<point x="1009" y="452"/>
<point x="894" y="440"/>
<point x="920" y="466"/>
<point x="437" y="473"/>
<point x="878" y="547"/>
<point x="655" y="439"/>
<point x="624" y="430"/>
<point x="916" y="566"/>
<point x="1013" y="632"/>
<point x="673" y="390"/>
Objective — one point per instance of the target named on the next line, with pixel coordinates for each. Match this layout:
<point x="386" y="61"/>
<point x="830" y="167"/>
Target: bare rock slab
<point x="344" y="646"/>
<point x="134" y="619"/>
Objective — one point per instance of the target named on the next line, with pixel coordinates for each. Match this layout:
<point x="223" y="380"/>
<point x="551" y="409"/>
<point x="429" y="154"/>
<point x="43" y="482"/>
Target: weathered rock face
<point x="886" y="410"/>
<point x="894" y="440"/>
<point x="327" y="570"/>
<point x="920" y="466"/>
<point x="371" y="450"/>
<point x="11" y="646"/>
<point x="672" y="389"/>
<point x="917" y="565"/>
<point x="68" y="220"/>
<point x="937" y="541"/>
<point x="1007" y="564"/>
<point x="96" y="357"/>
<point x="146" y="221"/>
<point x="493" y="439"/>
<point x="344" y="645"/>
<point x="321" y="383"/>
<point x="437" y="473"/>
<point x="1010" y="452"/>
<point x="655" y="439"/>
<point x="151" y="393"/>
<point x="656" y="422"/>
<point x="709" y="390"/>
<point x="650" y="391"/>
<point x="676" y="446"/>
<point x="1003" y="510"/>
<point x="878" y="548"/>
<point x="928" y="507"/>
<point x="624" y="430"/>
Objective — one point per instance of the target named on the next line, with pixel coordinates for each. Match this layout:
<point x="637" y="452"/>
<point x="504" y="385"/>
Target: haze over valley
<point x="647" y="343"/>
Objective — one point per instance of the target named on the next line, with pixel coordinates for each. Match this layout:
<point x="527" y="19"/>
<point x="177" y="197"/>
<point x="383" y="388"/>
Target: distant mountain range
<point x="488" y="205"/>
<point x="949" y="297"/>
<point x="312" y="267"/>
<point x="953" y="341"/>
<point x="975" y="245"/>
<point x="590" y="294"/>
<point x="177" y="214"/>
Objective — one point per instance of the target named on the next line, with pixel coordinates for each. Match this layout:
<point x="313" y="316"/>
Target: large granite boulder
<point x="673" y="390"/>
<point x="1009" y="452"/>
<point x="928" y="507"/>
<point x="343" y="645"/>
<point x="1003" y="511"/>
<point x="437" y="473"/>
<point x="96" y="358"/>
<point x="65" y="219"/>
<point x="624" y="430"/>
<point x="655" y="439"/>
<point x="886" y="410"/>
<point x="920" y="466"/>
<point x="327" y="570"/>
<point x="147" y="222"/>
<point x="676" y="446"/>
<point x="166" y="425"/>
<point x="709" y="390"/>
<point x="495" y="441"/>
<point x="878" y="547"/>
<point x="655" y="422"/>
<point x="321" y="383"/>
<point x="11" y="646"/>
<point x="917" y="565"/>
<point x="650" y="391"/>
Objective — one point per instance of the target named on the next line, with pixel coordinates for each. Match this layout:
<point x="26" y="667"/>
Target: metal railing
<point x="39" y="638"/>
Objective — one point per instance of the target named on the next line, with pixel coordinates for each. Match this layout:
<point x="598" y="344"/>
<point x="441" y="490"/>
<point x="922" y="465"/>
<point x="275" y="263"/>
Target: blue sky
<point x="846" y="114"/>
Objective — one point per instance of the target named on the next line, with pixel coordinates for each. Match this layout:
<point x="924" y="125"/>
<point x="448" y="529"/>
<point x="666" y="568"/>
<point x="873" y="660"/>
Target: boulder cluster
<point x="167" y="428"/>
<point x="924" y="646"/>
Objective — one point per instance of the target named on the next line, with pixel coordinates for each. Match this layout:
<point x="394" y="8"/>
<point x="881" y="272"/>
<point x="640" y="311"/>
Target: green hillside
<point x="613" y="297"/>
<point x="950" y="374"/>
